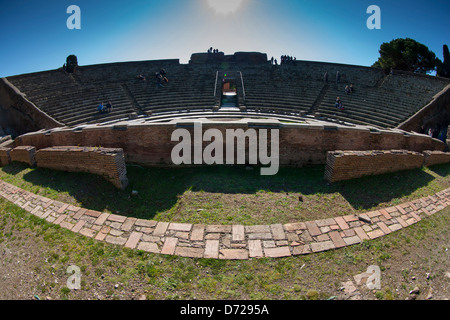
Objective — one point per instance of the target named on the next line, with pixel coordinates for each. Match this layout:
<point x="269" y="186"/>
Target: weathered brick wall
<point x="25" y="154"/>
<point x="435" y="157"/>
<point x="300" y="144"/>
<point x="345" y="165"/>
<point x="5" y="157"/>
<point x="107" y="162"/>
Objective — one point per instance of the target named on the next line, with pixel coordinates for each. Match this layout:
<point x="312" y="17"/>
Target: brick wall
<point x="5" y="157"/>
<point x="300" y="144"/>
<point x="25" y="154"/>
<point x="435" y="157"/>
<point x="345" y="165"/>
<point x="107" y="162"/>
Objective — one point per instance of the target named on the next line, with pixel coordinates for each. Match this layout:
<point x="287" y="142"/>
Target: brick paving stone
<point x="321" y="246"/>
<point x="145" y="223"/>
<point x="169" y="246"/>
<point x="79" y="213"/>
<point x="133" y="240"/>
<point x="415" y="216"/>
<point x="116" y="240"/>
<point x="349" y="241"/>
<point x="160" y="229"/>
<point x="349" y="232"/>
<point x="260" y="236"/>
<point x="411" y="221"/>
<point x="211" y="249"/>
<point x="35" y="210"/>
<point x="189" y="252"/>
<point x="401" y="209"/>
<point x="63" y="208"/>
<point x="101" y="219"/>
<point x="213" y="236"/>
<point x="395" y="227"/>
<point x="295" y="226"/>
<point x="60" y="219"/>
<point x="148" y="247"/>
<point x="384" y="228"/>
<point x="66" y="225"/>
<point x="386" y="214"/>
<point x="88" y="232"/>
<point x="269" y="244"/>
<point x="278" y="232"/>
<point x="325" y="222"/>
<point x="341" y="222"/>
<point x="101" y="236"/>
<point x="117" y="218"/>
<point x="361" y="234"/>
<point x="300" y="250"/>
<point x="373" y="214"/>
<point x="277" y="252"/>
<point x="233" y="254"/>
<point x="198" y="231"/>
<point x="350" y="218"/>
<point x="375" y="234"/>
<point x="78" y="226"/>
<point x="312" y="228"/>
<point x="128" y="224"/>
<point x="255" y="249"/>
<point x="218" y="229"/>
<point x="323" y="237"/>
<point x="180" y="227"/>
<point x="238" y="232"/>
<point x="337" y="239"/>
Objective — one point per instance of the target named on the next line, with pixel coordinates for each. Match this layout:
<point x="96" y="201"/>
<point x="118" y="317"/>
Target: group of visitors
<point x="438" y="133"/>
<point x="287" y="58"/>
<point x="212" y="50"/>
<point x="349" y="89"/>
<point x="105" y="109"/>
<point x="160" y="78"/>
<point x="338" y="104"/>
<point x="273" y="61"/>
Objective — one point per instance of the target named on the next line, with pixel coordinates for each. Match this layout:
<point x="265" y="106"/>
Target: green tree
<point x="71" y="63"/>
<point x="443" y="69"/>
<point x="408" y="55"/>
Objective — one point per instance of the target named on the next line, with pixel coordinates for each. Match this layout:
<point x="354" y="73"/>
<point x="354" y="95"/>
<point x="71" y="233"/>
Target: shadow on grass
<point x="441" y="169"/>
<point x="160" y="188"/>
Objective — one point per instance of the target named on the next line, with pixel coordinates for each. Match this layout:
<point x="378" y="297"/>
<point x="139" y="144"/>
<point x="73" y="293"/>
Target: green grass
<point x="315" y="276"/>
<point x="229" y="195"/>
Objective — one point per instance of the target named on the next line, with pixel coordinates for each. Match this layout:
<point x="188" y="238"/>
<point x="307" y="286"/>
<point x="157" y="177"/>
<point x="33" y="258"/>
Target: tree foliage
<point x="443" y="69"/>
<point x="408" y="55"/>
<point x="71" y="63"/>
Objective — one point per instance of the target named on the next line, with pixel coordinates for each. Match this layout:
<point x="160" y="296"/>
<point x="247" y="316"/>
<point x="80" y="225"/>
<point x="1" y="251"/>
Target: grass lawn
<point x="229" y="195"/>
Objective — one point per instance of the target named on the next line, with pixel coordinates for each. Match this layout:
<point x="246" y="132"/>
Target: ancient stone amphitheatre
<point x="54" y="122"/>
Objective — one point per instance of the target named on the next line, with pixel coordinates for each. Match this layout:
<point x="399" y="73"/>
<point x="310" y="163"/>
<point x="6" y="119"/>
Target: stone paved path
<point x="226" y="241"/>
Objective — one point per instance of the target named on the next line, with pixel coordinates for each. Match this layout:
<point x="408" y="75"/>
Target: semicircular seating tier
<point x="295" y="89"/>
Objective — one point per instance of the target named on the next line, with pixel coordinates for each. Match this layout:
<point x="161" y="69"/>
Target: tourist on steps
<point x="109" y="107"/>
<point x="100" y="108"/>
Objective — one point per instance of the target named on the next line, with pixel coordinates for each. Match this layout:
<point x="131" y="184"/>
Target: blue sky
<point x="34" y="35"/>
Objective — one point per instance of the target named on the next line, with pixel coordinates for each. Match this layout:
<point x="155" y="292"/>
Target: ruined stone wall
<point x="5" y="157"/>
<point x="435" y="157"/>
<point x="107" y="162"/>
<point x="346" y="165"/>
<point x="299" y="144"/>
<point x="24" y="154"/>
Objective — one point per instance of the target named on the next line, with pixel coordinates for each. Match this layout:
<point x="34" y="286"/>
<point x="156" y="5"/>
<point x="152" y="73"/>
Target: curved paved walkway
<point x="226" y="241"/>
